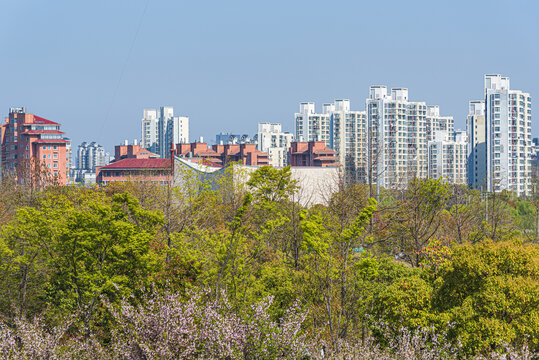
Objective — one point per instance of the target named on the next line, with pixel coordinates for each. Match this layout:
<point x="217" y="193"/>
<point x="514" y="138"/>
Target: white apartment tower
<point x="150" y="130"/>
<point x="508" y="136"/>
<point x="477" y="146"/>
<point x="447" y="153"/>
<point x="161" y="129"/>
<point x="311" y="126"/>
<point x="435" y="122"/>
<point x="272" y="139"/>
<point x="342" y="129"/>
<point x="348" y="136"/>
<point x="398" y="137"/>
<point x="388" y="137"/>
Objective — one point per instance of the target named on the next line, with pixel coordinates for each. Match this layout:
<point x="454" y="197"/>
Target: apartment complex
<point x="397" y="137"/>
<point x="26" y="136"/>
<point x="500" y="149"/>
<point x="272" y="140"/>
<point x="160" y="129"/>
<point x="341" y="129"/>
<point x="386" y="144"/>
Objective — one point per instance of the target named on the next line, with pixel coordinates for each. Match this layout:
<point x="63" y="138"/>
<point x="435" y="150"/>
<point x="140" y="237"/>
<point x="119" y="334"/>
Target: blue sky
<point x="95" y="65"/>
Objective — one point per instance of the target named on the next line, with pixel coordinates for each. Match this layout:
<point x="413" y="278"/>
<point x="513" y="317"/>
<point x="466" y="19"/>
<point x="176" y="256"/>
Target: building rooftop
<point x="139" y="164"/>
<point x="40" y="120"/>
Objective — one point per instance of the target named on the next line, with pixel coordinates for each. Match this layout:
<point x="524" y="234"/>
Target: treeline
<point x="134" y="270"/>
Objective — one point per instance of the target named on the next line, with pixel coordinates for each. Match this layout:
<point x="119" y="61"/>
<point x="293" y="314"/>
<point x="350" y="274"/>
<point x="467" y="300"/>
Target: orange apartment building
<point x="312" y="153"/>
<point x="25" y="136"/>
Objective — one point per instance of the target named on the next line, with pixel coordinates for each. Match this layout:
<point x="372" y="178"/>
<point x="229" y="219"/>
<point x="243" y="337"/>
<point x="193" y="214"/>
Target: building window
<point x="55" y="147"/>
<point x="55" y="156"/>
<point x="55" y="165"/>
<point x="44" y="147"/>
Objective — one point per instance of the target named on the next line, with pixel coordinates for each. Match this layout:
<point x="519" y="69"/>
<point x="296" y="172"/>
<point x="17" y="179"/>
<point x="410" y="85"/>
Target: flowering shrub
<point x="170" y="327"/>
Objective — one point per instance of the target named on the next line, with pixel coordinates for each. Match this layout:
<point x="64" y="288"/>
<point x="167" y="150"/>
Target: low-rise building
<point x="132" y="151"/>
<point x="198" y="152"/>
<point x="157" y="171"/>
<point x="246" y="154"/>
<point x="312" y="153"/>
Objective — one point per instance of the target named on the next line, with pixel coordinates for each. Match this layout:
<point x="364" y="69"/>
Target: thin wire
<point x="105" y="120"/>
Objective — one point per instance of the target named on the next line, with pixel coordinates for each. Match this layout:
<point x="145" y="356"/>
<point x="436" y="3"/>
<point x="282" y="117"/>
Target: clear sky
<point x="95" y="65"/>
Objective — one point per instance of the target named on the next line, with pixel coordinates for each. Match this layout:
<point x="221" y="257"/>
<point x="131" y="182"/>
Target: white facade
<point x="161" y="129"/>
<point x="477" y="146"/>
<point x="435" y="122"/>
<point x="150" y="130"/>
<point x="508" y="136"/>
<point x="311" y="126"/>
<point x="447" y="154"/>
<point x="349" y="138"/>
<point x="271" y="139"/>
<point x="388" y="136"/>
<point x="398" y="136"/>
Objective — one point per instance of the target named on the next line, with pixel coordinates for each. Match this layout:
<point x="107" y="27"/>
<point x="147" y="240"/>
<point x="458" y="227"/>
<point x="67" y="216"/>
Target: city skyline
<point x="97" y="80"/>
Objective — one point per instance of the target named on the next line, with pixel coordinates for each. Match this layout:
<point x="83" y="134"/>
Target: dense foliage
<point x="135" y="270"/>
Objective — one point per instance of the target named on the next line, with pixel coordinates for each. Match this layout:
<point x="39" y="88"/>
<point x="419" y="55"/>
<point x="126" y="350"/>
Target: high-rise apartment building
<point x="388" y="136"/>
<point x="150" y="130"/>
<point x="435" y="122"/>
<point x="508" y="136"/>
<point x="342" y="129"/>
<point x="398" y="136"/>
<point x="477" y="145"/>
<point x="25" y="136"/>
<point x="272" y="140"/>
<point x="348" y="137"/>
<point x="160" y="129"/>
<point x="447" y="153"/>
<point x="311" y="126"/>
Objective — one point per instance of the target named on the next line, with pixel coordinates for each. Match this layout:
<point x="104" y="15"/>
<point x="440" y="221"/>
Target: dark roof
<point x="139" y="164"/>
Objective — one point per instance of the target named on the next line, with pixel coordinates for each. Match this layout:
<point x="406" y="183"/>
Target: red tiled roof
<point x="139" y="164"/>
<point x="41" y="120"/>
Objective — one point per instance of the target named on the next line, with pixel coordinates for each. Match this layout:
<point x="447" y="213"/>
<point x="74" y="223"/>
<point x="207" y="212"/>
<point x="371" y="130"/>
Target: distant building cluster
<point x="160" y="129"/>
<point x="392" y="141"/>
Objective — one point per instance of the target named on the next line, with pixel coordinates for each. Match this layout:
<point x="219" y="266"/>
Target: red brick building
<point x="157" y="171"/>
<point x="26" y="136"/>
<point x="134" y="151"/>
<point x="312" y="153"/>
<point x="198" y="152"/>
<point x="246" y="154"/>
